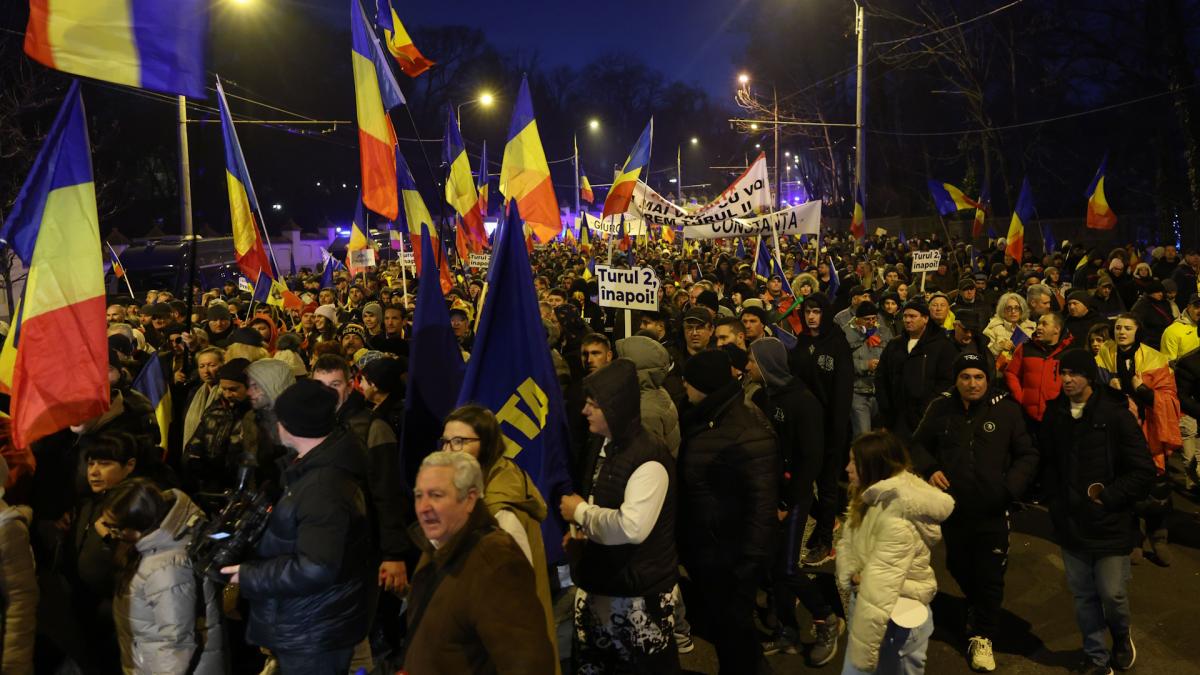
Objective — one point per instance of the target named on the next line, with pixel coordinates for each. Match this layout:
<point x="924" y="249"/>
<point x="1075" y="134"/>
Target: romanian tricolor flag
<point x="375" y="93"/>
<point x="524" y="173"/>
<point x="585" y="237"/>
<point x="1099" y="215"/>
<point x="858" y="221"/>
<point x="415" y="220"/>
<point x="621" y="192"/>
<point x="481" y="186"/>
<point x="244" y="214"/>
<point x="462" y="245"/>
<point x="359" y="241"/>
<point x="55" y="359"/>
<point x="399" y="43"/>
<point x="460" y="186"/>
<point x="981" y="210"/>
<point x="151" y="382"/>
<point x="149" y="44"/>
<point x="949" y="199"/>
<point x="1023" y="214"/>
<point x="585" y="188"/>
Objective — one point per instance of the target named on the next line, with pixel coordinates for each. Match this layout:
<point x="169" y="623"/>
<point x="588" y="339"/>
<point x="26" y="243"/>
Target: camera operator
<point x="308" y="588"/>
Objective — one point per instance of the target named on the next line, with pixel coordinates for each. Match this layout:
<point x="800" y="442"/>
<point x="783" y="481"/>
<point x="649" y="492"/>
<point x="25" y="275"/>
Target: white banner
<point x="408" y="259"/>
<point x="653" y="208"/>
<point x="635" y="288"/>
<point x="750" y="193"/>
<point x="925" y="261"/>
<point x="479" y="261"/>
<point x="795" y="220"/>
<point x="634" y="226"/>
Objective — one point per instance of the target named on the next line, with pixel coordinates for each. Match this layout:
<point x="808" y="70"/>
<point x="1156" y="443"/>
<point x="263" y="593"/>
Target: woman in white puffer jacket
<point x="883" y="560"/>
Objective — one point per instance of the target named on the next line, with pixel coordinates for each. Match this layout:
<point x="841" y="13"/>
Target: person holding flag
<point x="1033" y="373"/>
<point x="1009" y="328"/>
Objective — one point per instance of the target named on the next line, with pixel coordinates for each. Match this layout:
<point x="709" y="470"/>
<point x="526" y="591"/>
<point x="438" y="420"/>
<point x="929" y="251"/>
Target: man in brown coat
<point x="473" y="607"/>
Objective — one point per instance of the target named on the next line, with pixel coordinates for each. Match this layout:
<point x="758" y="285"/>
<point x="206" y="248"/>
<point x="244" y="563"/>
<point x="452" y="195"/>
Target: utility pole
<point x="859" y="131"/>
<point x="679" y="174"/>
<point x="775" y="97"/>
<point x="576" y="145"/>
<point x="185" y="172"/>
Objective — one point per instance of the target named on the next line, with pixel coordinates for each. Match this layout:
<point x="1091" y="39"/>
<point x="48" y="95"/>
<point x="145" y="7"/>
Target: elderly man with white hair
<point x="473" y="607"/>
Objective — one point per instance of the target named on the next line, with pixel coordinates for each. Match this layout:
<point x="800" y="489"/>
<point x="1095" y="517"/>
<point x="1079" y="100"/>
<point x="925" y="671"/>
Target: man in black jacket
<point x="307" y="585"/>
<point x="973" y="444"/>
<point x="628" y="565"/>
<point x="728" y="478"/>
<point x="913" y="370"/>
<point x="389" y="511"/>
<point x="796" y="415"/>
<point x="823" y="360"/>
<point x="1097" y="466"/>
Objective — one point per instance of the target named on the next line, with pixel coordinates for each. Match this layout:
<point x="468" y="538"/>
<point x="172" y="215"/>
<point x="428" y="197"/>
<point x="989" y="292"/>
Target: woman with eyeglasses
<point x="1009" y="327"/>
<point x="157" y="607"/>
<point x="508" y="492"/>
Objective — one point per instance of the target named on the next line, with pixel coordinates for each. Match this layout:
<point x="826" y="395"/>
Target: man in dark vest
<point x="625" y="523"/>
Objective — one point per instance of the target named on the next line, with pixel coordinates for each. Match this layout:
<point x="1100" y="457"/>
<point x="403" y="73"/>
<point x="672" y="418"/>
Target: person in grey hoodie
<point x="798" y="420"/>
<point x="266" y="379"/>
<point x="660" y="418"/>
<point x="168" y="619"/>
<point x="867" y="336"/>
<point x="18" y="587"/>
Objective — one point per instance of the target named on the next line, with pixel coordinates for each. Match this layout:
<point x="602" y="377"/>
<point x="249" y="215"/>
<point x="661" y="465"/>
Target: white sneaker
<point x="980" y="653"/>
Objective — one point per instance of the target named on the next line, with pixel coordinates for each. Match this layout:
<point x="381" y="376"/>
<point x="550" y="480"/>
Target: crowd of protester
<point x="844" y="414"/>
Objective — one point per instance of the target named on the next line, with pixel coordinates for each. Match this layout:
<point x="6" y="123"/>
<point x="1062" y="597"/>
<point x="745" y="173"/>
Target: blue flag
<point x="762" y="261"/>
<point x="435" y="369"/>
<point x="331" y="265"/>
<point x="740" y="251"/>
<point x="511" y="374"/>
<point x="151" y="382"/>
<point x="834" y="282"/>
<point x="1019" y="337"/>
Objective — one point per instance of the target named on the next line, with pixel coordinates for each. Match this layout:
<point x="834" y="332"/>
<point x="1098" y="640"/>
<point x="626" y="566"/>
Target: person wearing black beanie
<point x="315" y="560"/>
<point x="973" y="444"/>
<point x="1096" y="468"/>
<point x="730" y="465"/>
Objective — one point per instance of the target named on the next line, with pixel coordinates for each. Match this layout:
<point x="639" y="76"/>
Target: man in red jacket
<point x="1032" y="374"/>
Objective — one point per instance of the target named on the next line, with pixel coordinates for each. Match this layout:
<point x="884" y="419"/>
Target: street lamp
<point x="743" y="79"/>
<point x="594" y="124"/>
<point x="695" y="141"/>
<point x="484" y="99"/>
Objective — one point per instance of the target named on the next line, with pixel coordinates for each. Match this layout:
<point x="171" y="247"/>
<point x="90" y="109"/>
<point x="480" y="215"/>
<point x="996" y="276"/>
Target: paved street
<point x="1038" y="627"/>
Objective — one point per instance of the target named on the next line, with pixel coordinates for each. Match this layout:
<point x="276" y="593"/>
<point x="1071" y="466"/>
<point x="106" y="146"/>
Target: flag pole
<point x="575" y="141"/>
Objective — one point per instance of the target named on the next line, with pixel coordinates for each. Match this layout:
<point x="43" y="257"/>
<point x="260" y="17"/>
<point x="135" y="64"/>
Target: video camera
<point x="228" y="538"/>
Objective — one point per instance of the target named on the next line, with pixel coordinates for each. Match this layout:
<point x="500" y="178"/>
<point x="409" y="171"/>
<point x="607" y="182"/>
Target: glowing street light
<point x="484" y="99"/>
<point x="695" y="141"/>
<point x="743" y="79"/>
<point x="787" y="153"/>
<point x="754" y="126"/>
<point x="594" y="124"/>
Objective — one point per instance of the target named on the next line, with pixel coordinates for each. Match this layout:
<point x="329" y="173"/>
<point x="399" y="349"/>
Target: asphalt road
<point x="1038" y="630"/>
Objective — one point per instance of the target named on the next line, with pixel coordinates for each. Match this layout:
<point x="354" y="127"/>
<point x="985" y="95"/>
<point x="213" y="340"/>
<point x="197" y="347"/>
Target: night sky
<point x="686" y="40"/>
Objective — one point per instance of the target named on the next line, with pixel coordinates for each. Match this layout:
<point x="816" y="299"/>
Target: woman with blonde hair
<point x="1009" y="327"/>
<point x="884" y="562"/>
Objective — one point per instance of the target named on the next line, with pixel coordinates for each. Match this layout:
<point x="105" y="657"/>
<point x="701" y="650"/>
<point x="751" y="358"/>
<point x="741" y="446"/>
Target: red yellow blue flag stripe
<point x="244" y="213"/>
<point x="1099" y="215"/>
<point x="524" y="172"/>
<point x="1022" y="215"/>
<point x="149" y="44"/>
<point x="399" y="43"/>
<point x="621" y="191"/>
<point x="460" y="185"/>
<point x="55" y="359"/>
<point x="375" y="93"/>
<point x="949" y="198"/>
<point x="858" y="220"/>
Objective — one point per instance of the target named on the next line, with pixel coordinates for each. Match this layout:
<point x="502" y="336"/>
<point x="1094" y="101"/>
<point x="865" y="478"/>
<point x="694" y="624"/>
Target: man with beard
<point x="266" y="379"/>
